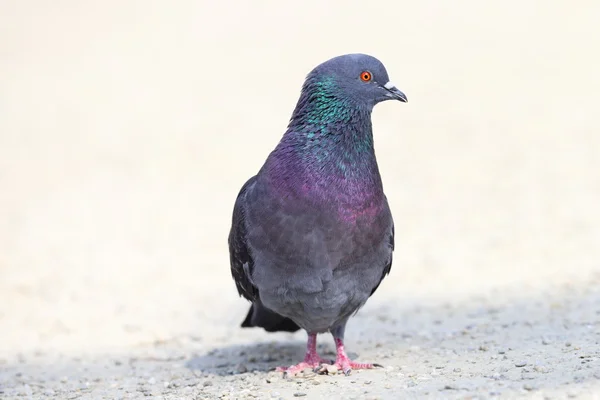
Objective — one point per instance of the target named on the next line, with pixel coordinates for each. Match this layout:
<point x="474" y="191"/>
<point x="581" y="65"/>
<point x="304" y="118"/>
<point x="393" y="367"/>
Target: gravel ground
<point x="546" y="347"/>
<point x="127" y="128"/>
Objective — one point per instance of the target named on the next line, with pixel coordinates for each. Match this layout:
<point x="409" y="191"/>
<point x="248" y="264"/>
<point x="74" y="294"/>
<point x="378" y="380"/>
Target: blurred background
<point x="128" y="127"/>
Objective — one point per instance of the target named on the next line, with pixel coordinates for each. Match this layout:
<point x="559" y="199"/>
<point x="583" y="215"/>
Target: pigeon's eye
<point x="366" y="76"/>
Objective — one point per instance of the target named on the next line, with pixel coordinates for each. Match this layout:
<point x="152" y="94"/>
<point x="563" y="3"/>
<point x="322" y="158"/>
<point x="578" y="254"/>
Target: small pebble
<point x="528" y="387"/>
<point x="329" y="369"/>
<point x="27" y="391"/>
<point x="190" y="382"/>
<point x="299" y="394"/>
<point x="521" y="364"/>
<point x="541" y="368"/>
<point x="187" y="390"/>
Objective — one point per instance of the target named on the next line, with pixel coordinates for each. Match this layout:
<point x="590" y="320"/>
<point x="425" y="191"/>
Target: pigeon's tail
<point x="262" y="317"/>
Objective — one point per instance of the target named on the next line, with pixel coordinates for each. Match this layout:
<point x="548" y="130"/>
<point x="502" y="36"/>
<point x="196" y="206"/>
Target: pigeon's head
<point x="360" y="78"/>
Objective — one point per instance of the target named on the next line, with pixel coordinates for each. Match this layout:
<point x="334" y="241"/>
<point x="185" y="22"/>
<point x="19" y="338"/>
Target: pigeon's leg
<point x="342" y="362"/>
<point x="312" y="359"/>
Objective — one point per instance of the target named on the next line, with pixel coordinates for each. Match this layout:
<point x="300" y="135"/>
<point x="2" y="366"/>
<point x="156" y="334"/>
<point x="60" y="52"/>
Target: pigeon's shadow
<point x="261" y="357"/>
<point x="239" y="359"/>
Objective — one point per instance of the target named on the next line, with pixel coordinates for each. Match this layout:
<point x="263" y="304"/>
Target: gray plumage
<point x="312" y="234"/>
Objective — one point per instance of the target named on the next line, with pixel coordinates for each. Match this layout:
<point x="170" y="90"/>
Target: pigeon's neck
<point x="323" y="109"/>
<point x="327" y="154"/>
<point x="336" y="152"/>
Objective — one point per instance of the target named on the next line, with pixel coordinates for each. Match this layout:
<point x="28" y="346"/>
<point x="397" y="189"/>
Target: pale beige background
<point x="127" y="128"/>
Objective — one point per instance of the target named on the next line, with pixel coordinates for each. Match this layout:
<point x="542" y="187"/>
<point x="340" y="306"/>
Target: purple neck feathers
<point x="327" y="158"/>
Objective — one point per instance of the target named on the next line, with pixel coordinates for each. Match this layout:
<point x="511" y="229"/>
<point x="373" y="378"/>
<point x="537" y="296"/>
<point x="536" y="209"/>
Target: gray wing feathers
<point x="241" y="260"/>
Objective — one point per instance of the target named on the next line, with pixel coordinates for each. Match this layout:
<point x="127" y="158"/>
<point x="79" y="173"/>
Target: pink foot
<point x="348" y="365"/>
<point x="343" y="363"/>
<point x="311" y="360"/>
<point x="294" y="369"/>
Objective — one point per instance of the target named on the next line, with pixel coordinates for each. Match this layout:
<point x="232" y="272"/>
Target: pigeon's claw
<point x="314" y="365"/>
<point x="344" y="364"/>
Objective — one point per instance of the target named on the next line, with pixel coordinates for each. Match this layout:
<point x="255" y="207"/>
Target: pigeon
<point x="312" y="233"/>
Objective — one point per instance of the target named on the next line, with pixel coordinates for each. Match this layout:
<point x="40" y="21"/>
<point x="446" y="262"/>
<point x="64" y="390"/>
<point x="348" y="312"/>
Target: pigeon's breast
<point x="316" y="262"/>
<point x="299" y="232"/>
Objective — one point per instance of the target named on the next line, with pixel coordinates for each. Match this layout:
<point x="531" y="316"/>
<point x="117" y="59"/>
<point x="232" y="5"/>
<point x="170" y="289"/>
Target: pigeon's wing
<point x="242" y="266"/>
<point x="388" y="266"/>
<point x="240" y="258"/>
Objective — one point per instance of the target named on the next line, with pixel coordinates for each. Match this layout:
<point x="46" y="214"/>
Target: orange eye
<point x="366" y="76"/>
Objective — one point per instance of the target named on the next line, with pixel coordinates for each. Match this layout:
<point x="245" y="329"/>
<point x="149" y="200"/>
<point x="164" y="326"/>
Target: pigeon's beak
<point x="394" y="93"/>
